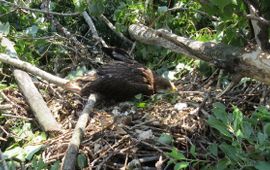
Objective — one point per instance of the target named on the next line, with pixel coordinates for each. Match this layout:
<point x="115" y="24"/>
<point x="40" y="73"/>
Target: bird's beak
<point x="174" y="89"/>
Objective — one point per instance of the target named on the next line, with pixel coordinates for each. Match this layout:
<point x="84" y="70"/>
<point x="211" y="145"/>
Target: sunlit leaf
<point x="31" y="150"/>
<point x="32" y="31"/>
<point x="217" y="124"/>
<point x="176" y="154"/>
<point x="181" y="165"/>
<point x="4" y="28"/>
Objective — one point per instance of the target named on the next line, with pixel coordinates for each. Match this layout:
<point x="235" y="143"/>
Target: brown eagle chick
<point x="120" y="81"/>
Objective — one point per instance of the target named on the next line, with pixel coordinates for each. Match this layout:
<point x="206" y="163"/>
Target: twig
<point x="112" y="27"/>
<point x="93" y="29"/>
<point x="14" y="116"/>
<point x="5" y="106"/>
<point x="261" y="19"/>
<point x="2" y="94"/>
<point x="73" y="148"/>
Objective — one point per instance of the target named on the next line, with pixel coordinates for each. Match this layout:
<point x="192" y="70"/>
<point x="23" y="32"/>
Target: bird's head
<point x="162" y="84"/>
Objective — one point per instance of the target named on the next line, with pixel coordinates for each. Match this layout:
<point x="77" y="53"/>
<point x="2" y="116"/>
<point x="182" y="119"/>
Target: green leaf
<point x="165" y="139"/>
<point x="222" y="128"/>
<point x="176" y="154"/>
<point x="15" y="152"/>
<point x="221" y="3"/>
<point x="231" y="152"/>
<point x="181" y="165"/>
<point x="213" y="149"/>
<point x="141" y="105"/>
<point x="193" y="151"/>
<point x="262" y="165"/>
<point x="38" y="164"/>
<point x="96" y="7"/>
<point x="162" y="9"/>
<point x="82" y="161"/>
<point x="55" y="166"/>
<point x="80" y="5"/>
<point x="223" y="164"/>
<point x="32" y="30"/>
<point x="219" y="110"/>
<point x="4" y="28"/>
<point x="262" y="138"/>
<point x="266" y="129"/>
<point x="31" y="150"/>
<point x="247" y="130"/>
<point x="237" y="119"/>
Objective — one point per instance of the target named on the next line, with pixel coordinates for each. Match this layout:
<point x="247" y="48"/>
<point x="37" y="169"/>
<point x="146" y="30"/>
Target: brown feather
<point x="120" y="81"/>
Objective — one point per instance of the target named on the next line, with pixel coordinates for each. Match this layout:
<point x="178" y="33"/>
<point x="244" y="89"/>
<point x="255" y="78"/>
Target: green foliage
<point x="244" y="141"/>
<point x="80" y="5"/>
<point x="96" y="7"/>
<point x="241" y="142"/>
<point x="165" y="139"/>
<point x="178" y="159"/>
<point x="81" y="161"/>
<point x="4" y="28"/>
<point x="231" y="26"/>
<point x="25" y="145"/>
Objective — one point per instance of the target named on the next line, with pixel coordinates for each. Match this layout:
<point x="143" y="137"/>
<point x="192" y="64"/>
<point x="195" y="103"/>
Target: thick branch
<point x="32" y="69"/>
<point x="222" y="55"/>
<point x="40" y="110"/>
<point x="252" y="63"/>
<point x="73" y="148"/>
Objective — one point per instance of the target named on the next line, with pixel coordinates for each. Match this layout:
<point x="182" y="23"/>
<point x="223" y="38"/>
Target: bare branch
<point x="112" y="27"/>
<point x="73" y="148"/>
<point x="93" y="29"/>
<point x="261" y="19"/>
<point x="32" y="69"/>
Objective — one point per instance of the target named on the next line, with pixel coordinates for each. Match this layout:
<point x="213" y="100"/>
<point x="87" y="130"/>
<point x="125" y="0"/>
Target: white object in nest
<point x="180" y="106"/>
<point x="143" y="135"/>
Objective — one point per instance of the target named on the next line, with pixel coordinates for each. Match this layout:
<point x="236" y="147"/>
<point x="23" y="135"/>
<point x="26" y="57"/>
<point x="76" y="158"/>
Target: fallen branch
<point x="32" y="95"/>
<point x="32" y="69"/>
<point x="73" y="148"/>
<point x="40" y="110"/>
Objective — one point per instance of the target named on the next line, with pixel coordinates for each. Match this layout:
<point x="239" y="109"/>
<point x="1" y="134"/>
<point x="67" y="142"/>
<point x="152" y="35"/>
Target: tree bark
<point x="252" y="62"/>
<point x="40" y="110"/>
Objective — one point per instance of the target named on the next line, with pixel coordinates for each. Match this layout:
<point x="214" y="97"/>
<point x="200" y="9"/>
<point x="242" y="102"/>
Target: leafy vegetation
<point x="240" y="142"/>
<point x="239" y="139"/>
